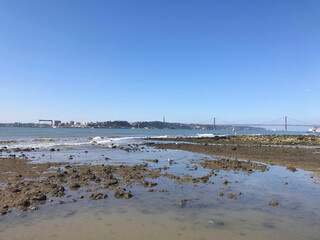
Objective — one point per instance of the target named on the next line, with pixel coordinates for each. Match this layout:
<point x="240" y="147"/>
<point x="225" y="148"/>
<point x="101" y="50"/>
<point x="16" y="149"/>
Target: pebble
<point x="273" y="203"/>
<point x="231" y="196"/>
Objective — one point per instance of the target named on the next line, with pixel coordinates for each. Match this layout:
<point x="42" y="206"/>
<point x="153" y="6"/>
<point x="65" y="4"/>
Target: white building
<point x="56" y="123"/>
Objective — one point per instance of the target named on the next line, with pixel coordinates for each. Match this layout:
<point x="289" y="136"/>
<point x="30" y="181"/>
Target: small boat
<point x="314" y="130"/>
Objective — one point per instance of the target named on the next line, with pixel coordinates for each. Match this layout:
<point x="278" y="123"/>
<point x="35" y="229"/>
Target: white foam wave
<point x="210" y="135"/>
<point x="165" y="136"/>
<point x="95" y="138"/>
<point x="73" y="142"/>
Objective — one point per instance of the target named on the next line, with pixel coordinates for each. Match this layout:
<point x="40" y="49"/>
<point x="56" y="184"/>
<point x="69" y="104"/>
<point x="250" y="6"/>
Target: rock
<point x="152" y="160"/>
<point x="152" y="184"/>
<point x="16" y="190"/>
<point x="128" y="195"/>
<point x="75" y="186"/>
<point x="292" y="169"/>
<point x="111" y="182"/>
<point x="38" y="197"/>
<point x="225" y="182"/>
<point x="32" y="208"/>
<point x="119" y="193"/>
<point x="273" y="203"/>
<point x="3" y="212"/>
<point x="231" y="196"/>
<point x="58" y="192"/>
<point x="60" y="202"/>
<point x="144" y="165"/>
<point x="52" y="150"/>
<point x="220" y="194"/>
<point x="25" y="203"/>
<point x="98" y="196"/>
<point x="182" y="202"/>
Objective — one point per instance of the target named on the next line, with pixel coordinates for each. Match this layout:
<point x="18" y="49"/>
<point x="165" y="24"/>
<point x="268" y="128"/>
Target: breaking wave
<point x="52" y="142"/>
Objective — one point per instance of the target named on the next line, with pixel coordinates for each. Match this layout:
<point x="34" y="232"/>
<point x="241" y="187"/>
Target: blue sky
<point x="240" y="61"/>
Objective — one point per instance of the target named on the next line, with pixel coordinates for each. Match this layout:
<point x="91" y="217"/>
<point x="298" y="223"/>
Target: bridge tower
<point x="285" y="123"/>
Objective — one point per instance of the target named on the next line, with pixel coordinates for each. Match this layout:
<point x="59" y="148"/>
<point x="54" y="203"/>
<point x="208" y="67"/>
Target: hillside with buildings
<point x="127" y="125"/>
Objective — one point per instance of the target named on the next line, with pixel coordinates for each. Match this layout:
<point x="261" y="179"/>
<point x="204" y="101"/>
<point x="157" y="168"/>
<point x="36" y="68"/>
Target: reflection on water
<point x="129" y="223"/>
<point x="156" y="215"/>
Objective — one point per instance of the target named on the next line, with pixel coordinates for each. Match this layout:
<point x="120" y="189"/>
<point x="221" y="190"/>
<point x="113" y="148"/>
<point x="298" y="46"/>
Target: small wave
<point x="8" y="141"/>
<point x="165" y="136"/>
<point x="43" y="140"/>
<point x="206" y="135"/>
<point x="53" y="139"/>
<point x="95" y="138"/>
<point x="44" y="143"/>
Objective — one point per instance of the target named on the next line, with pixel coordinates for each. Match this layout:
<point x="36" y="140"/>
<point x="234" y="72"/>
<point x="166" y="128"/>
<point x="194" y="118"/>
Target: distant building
<point x="56" y="123"/>
<point x="163" y="119"/>
<point x="71" y="122"/>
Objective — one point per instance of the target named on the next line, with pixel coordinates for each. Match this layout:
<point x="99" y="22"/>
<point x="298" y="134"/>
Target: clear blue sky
<point x="241" y="61"/>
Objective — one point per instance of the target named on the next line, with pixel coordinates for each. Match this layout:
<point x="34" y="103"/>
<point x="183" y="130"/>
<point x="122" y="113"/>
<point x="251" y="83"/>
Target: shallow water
<point x="156" y="215"/>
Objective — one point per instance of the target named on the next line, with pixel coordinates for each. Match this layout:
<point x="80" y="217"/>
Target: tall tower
<point x="163" y="119"/>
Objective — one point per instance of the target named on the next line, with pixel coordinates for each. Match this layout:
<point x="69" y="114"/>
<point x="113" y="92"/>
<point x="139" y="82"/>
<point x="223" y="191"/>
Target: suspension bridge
<point x="280" y="122"/>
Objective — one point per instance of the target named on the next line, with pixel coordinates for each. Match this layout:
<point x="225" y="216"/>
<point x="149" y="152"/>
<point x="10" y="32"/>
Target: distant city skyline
<point x="240" y="61"/>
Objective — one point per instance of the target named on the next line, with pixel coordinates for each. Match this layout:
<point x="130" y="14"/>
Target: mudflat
<point x="306" y="140"/>
<point x="291" y="151"/>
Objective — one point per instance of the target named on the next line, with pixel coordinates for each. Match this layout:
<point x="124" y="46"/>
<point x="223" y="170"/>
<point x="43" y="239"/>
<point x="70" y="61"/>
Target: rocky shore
<point x="261" y="148"/>
<point x="305" y="140"/>
<point x="25" y="185"/>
